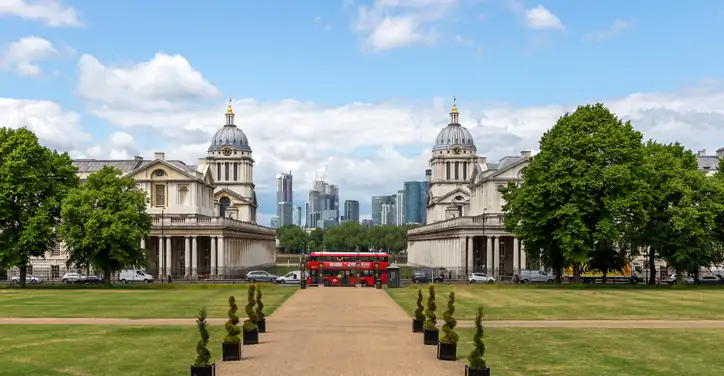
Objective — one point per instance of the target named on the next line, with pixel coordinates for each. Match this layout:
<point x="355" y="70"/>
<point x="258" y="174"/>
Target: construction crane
<point x="318" y="184"/>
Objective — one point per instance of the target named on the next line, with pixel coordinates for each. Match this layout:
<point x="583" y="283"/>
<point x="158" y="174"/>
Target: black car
<point x="426" y="276"/>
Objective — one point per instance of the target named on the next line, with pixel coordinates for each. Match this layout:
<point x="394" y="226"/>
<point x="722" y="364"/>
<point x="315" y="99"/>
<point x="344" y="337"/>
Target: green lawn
<point x="52" y="350"/>
<point x="593" y="352"/>
<point x="146" y="301"/>
<point x="551" y="303"/>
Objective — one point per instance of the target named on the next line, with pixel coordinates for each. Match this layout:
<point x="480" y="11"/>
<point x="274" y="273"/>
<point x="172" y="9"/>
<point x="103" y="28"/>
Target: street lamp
<point x="485" y="245"/>
<point x="162" y="254"/>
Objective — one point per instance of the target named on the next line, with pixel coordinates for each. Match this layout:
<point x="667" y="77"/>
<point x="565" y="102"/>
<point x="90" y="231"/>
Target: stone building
<point x="204" y="215"/>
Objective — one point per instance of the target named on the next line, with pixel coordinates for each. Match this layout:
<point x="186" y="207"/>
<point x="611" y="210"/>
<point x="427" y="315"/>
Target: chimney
<point x="159" y="155"/>
<point x="525" y="154"/>
<point x="137" y="161"/>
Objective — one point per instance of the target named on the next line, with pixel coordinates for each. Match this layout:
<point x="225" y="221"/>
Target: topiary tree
<point x="430" y="318"/>
<point x="250" y="323"/>
<point x="259" y="305"/>
<point x="203" y="354"/>
<point x="232" y="331"/>
<point x="419" y="316"/>
<point x="475" y="359"/>
<point x="449" y="328"/>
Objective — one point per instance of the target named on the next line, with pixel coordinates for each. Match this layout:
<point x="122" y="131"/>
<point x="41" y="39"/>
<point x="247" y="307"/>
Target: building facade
<point x="378" y="202"/>
<point x="285" y="197"/>
<point x="400" y="208"/>
<point x="351" y="211"/>
<point x="297" y="216"/>
<point x="464" y="231"/>
<point x="204" y="215"/>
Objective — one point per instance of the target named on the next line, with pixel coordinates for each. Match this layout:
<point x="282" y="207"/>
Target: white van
<point x="291" y="277"/>
<point x="134" y="275"/>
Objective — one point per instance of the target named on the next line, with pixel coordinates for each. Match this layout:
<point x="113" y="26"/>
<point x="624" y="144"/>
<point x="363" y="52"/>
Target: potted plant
<point x="250" y="329"/>
<point x="419" y="318"/>
<point x="260" y="311"/>
<point x="231" y="347"/>
<point x="448" y="346"/>
<point x="202" y="367"/>
<point x="430" y="333"/>
<point x="476" y="364"/>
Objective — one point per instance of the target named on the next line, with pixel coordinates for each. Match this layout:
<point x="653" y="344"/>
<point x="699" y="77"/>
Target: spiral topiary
<point x="250" y="323"/>
<point x="203" y="354"/>
<point x="450" y="323"/>
<point x="475" y="360"/>
<point x="419" y="316"/>
<point x="430" y="318"/>
<point x="232" y="331"/>
<point x="259" y="305"/>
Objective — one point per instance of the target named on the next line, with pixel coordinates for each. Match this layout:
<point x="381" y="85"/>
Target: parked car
<point x="480" y="278"/>
<point x="133" y="275"/>
<point x="28" y="279"/>
<point x="687" y="280"/>
<point x="426" y="276"/>
<point x="710" y="280"/>
<point x="260" y="276"/>
<point x="79" y="278"/>
<point x="534" y="276"/>
<point x="291" y="277"/>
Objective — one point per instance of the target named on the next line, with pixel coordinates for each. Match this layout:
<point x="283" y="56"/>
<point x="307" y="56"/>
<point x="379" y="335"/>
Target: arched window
<point x="183" y="195"/>
<point x="224" y="203"/>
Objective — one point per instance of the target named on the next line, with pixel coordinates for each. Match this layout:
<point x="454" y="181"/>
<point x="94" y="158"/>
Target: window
<point x="55" y="271"/>
<point x="55" y="251"/>
<point x="30" y="270"/>
<point x="447" y="170"/>
<point x="159" y="173"/>
<point x="183" y="195"/>
<point x="226" y="171"/>
<point x="457" y="170"/>
<point x="236" y="171"/>
<point x="159" y="195"/>
<point x="218" y="171"/>
<point x="465" y="170"/>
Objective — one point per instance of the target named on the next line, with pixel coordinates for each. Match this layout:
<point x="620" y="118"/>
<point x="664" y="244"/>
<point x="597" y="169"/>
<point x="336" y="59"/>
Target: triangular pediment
<point x="208" y="176"/>
<point x="225" y="192"/>
<point x="146" y="170"/>
<point x="452" y="194"/>
<point x="513" y="166"/>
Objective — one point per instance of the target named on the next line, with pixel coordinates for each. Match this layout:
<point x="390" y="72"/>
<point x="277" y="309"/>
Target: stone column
<point x="213" y="257"/>
<point x="169" y="254"/>
<point x="523" y="263"/>
<point x="194" y="256"/>
<point x="160" y="259"/>
<point x="496" y="257"/>
<point x="516" y="256"/>
<point x="187" y="256"/>
<point x="489" y="255"/>
<point x="143" y="243"/>
<point x="220" y="256"/>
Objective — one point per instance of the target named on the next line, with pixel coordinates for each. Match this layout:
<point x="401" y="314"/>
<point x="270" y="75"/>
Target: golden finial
<point x="229" y="111"/>
<point x="455" y="106"/>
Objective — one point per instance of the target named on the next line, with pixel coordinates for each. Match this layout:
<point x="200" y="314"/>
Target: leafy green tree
<point x="430" y="318"/>
<point x="232" y="330"/>
<point x="293" y="238"/>
<point x="419" y="315"/>
<point x="450" y="323"/>
<point x="104" y="220"/>
<point x="252" y="321"/>
<point x="476" y="360"/>
<point x="583" y="188"/>
<point x="203" y="355"/>
<point x="316" y="239"/>
<point x="33" y="182"/>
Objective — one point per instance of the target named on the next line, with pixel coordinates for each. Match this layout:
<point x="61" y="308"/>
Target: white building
<point x="464" y="230"/>
<point x="400" y="208"/>
<point x="204" y="215"/>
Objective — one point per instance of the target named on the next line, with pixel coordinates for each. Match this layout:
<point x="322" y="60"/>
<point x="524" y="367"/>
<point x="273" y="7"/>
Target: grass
<point x="146" y="301"/>
<point x="552" y="303"/>
<point x="593" y="352"/>
<point x="52" y="350"/>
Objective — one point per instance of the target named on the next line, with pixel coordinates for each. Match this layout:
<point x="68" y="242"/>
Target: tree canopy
<point x="104" y="220"/>
<point x="33" y="182"/>
<point x="348" y="236"/>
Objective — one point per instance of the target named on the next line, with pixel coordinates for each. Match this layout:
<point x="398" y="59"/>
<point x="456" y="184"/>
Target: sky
<point x="361" y="87"/>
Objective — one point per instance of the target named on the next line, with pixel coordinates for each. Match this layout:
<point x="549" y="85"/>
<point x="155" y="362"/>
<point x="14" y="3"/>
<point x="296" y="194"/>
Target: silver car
<point x="260" y="276"/>
<point x="534" y="276"/>
<point x="28" y="279"/>
<point x="480" y="278"/>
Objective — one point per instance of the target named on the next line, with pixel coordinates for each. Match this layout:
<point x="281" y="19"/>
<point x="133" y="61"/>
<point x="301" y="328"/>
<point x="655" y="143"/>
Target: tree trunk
<point x="605" y="277"/>
<point x="576" y="273"/>
<point x="107" y="276"/>
<point x="23" y="275"/>
<point x="652" y="266"/>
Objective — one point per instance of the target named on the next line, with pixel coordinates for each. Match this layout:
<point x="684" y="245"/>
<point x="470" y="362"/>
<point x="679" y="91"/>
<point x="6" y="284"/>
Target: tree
<point x="476" y="360"/>
<point x="449" y="327"/>
<point x="583" y="188"/>
<point x="419" y="316"/>
<point x="293" y="238"/>
<point x="203" y="355"/>
<point x="259" y="305"/>
<point x="33" y="182"/>
<point x="104" y="221"/>
<point x="232" y="331"/>
<point x="251" y="323"/>
<point x="430" y="318"/>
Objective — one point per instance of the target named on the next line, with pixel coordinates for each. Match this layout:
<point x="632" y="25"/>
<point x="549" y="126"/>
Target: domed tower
<point x="452" y="163"/>
<point x="232" y="166"/>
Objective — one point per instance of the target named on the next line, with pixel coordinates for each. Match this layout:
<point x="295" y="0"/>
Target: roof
<point x="707" y="162"/>
<point x="128" y="165"/>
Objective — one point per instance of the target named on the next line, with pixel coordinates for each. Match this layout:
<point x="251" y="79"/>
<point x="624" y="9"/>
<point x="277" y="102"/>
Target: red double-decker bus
<point x="343" y="268"/>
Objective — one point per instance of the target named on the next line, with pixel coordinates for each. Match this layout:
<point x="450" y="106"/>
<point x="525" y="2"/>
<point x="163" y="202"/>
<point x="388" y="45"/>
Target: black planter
<point x="417" y="325"/>
<point x="262" y="325"/>
<point x="231" y="351"/>
<point x="251" y="337"/>
<point x="447" y="351"/>
<point x="477" y="372"/>
<point x="209" y="370"/>
<point x="430" y="337"/>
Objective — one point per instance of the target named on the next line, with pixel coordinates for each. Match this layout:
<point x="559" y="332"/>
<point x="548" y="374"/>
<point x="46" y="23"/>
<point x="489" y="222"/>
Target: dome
<point x="229" y="135"/>
<point x="454" y="134"/>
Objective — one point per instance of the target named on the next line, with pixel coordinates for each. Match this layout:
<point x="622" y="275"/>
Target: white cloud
<point x="542" y="19"/>
<point x="22" y="56"/>
<point x="54" y="126"/>
<point x="390" y="24"/>
<point x="615" y="29"/>
<point x="52" y="12"/>
<point x="467" y="41"/>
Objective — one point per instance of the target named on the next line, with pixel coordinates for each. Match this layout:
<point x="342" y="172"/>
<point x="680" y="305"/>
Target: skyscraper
<point x="377" y="202"/>
<point x="413" y="201"/>
<point x="351" y="210"/>
<point x="323" y="207"/>
<point x="400" y="208"/>
<point x="297" y="216"/>
<point x="285" y="198"/>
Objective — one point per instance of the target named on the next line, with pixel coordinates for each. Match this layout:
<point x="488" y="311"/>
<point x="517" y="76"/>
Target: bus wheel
<point x="326" y="282"/>
<point x="364" y="283"/>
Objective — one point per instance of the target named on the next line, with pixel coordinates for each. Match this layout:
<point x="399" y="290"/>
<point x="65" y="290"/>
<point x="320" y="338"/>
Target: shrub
<point x="203" y="354"/>
<point x="232" y="331"/>
<point x="430" y="318"/>
<point x="250" y="323"/>
<point x="449" y="328"/>
<point x="259" y="305"/>
<point x="419" y="316"/>
<point x="475" y="360"/>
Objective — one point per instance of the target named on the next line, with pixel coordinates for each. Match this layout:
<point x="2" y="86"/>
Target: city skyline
<point x="88" y="83"/>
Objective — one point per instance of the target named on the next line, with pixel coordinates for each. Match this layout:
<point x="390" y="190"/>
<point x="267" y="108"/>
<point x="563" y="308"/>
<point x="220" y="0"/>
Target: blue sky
<point x="359" y="86"/>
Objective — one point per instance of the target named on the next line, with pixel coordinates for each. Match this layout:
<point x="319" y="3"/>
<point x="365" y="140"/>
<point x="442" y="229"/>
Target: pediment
<point x="512" y="171"/>
<point x="225" y="192"/>
<point x="172" y="171"/>
<point x="450" y="196"/>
